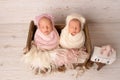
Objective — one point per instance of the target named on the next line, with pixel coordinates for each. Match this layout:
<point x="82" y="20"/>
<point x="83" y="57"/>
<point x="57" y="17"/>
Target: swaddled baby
<point x="72" y="41"/>
<point x="72" y="36"/>
<point x="46" y="36"/>
<point x="46" y="39"/>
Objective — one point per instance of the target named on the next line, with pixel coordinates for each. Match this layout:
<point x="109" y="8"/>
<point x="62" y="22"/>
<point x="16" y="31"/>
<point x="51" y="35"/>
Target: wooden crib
<point x="59" y="27"/>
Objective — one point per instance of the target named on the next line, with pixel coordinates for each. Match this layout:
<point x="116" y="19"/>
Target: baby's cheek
<point x="78" y="30"/>
<point x="51" y="29"/>
<point x="42" y="30"/>
<point x="71" y="30"/>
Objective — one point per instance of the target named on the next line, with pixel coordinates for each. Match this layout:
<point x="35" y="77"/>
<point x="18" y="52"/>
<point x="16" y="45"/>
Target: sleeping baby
<point x="72" y="39"/>
<point x="46" y="38"/>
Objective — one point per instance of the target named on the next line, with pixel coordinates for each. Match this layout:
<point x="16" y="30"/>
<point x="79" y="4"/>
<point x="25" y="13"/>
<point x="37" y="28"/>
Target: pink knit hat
<point x="37" y="18"/>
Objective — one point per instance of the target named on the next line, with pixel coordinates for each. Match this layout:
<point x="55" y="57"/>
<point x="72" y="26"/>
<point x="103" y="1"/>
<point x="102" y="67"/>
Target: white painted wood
<point x="22" y="11"/>
<point x="13" y="39"/>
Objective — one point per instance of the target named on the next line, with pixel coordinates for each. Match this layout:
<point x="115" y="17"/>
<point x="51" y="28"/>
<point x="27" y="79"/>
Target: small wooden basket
<point x="59" y="27"/>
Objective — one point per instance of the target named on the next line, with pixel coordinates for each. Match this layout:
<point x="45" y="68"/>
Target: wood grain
<point x="12" y="41"/>
<point x="22" y="11"/>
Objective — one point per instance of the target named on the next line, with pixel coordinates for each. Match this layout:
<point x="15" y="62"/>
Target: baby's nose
<point x="75" y="29"/>
<point x="46" y="27"/>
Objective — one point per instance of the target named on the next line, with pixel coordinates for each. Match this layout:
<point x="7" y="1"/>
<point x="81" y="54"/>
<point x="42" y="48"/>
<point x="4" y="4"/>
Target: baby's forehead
<point x="45" y="19"/>
<point x="75" y="20"/>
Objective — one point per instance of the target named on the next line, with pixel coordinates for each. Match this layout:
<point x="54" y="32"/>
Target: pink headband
<point x="37" y="18"/>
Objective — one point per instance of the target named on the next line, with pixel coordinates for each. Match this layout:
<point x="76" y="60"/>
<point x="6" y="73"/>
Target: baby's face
<point x="45" y="26"/>
<point x="74" y="27"/>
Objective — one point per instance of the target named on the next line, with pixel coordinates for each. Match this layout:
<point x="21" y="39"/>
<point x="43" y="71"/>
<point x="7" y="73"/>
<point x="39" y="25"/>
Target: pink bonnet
<point x="37" y="18"/>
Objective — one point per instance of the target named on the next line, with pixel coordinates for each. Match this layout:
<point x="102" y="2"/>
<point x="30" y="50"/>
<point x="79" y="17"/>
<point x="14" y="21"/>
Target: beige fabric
<point x="37" y="58"/>
<point x="69" y="41"/>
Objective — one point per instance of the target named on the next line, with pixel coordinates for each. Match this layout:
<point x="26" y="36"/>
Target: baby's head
<point x="45" y="24"/>
<point x="74" y="26"/>
<point x="75" y="23"/>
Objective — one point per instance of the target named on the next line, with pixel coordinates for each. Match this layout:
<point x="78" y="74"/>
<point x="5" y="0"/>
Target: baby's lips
<point x="46" y="32"/>
<point x="73" y="33"/>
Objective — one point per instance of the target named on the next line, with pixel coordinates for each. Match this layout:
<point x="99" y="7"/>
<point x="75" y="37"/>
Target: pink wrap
<point x="68" y="56"/>
<point x="48" y="42"/>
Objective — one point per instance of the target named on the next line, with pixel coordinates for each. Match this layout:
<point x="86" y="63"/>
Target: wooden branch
<point x="30" y="37"/>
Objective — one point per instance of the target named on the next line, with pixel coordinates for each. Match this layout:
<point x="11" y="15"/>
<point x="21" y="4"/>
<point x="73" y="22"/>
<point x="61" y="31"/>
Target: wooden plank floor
<point x="13" y="39"/>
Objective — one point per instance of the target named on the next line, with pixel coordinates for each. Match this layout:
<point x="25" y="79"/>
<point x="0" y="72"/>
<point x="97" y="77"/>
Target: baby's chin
<point x="73" y="34"/>
<point x="46" y="33"/>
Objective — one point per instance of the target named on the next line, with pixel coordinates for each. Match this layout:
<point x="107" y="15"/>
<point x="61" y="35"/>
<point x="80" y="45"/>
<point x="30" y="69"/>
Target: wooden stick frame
<point x="59" y="27"/>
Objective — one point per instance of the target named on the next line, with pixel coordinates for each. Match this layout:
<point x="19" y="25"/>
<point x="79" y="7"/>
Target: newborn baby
<point x="72" y="41"/>
<point x="46" y="36"/>
<point x="46" y="39"/>
<point x="72" y="36"/>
